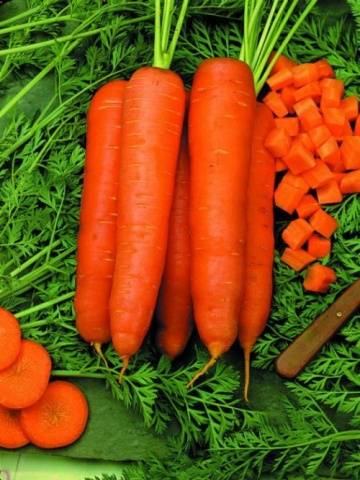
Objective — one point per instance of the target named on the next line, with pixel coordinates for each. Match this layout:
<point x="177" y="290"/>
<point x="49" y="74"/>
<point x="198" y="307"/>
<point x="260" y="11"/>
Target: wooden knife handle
<point x="299" y="353"/>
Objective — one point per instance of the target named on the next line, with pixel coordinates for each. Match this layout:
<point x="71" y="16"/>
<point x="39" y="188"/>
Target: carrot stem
<point x="98" y="350"/>
<point x="202" y="371"/>
<point x="43" y="306"/>
<point x="123" y="368"/>
<point x="247" y="353"/>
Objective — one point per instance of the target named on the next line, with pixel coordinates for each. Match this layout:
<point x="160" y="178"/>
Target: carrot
<point x="276" y="104"/>
<point x="280" y="166"/>
<point x="335" y="120"/>
<point x="319" y="278"/>
<point x="350" y="105"/>
<point x="310" y="90"/>
<point x="310" y="118"/>
<point x="10" y="339"/>
<point x="323" y="223"/>
<point x="290" y="125"/>
<point x="350" y="183"/>
<point x="58" y="419"/>
<point x="299" y="158"/>
<point x="306" y="141"/>
<point x="324" y="68"/>
<point x="357" y="126"/>
<point x="153" y="113"/>
<point x="329" y="193"/>
<point x="296" y="259"/>
<point x="319" y="135"/>
<point x="287" y="95"/>
<point x="317" y="176"/>
<point x="98" y="212"/>
<point x="329" y="151"/>
<point x="223" y="95"/>
<point x="25" y="381"/>
<point x="297" y="233"/>
<point x="278" y="142"/>
<point x="259" y="250"/>
<point x="11" y="433"/>
<point x="350" y="152"/>
<point x="281" y="63"/>
<point x="290" y="192"/>
<point x="174" y="302"/>
<point x="304" y="74"/>
<point x="307" y="206"/>
<point x="332" y="92"/>
<point x="318" y="246"/>
<point x="282" y="78"/>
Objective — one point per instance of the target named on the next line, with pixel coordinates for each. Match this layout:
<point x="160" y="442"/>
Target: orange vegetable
<point x="281" y="63"/>
<point x="304" y="74"/>
<point x="335" y="120"/>
<point x="332" y="92"/>
<point x="319" y="247"/>
<point x="323" y="223"/>
<point x="311" y="118"/>
<point x="310" y="90"/>
<point x="350" y="105"/>
<point x="25" y="381"/>
<point x="303" y="105"/>
<point x="280" y="166"/>
<point x="276" y="104"/>
<point x="287" y="95"/>
<point x="357" y="127"/>
<point x="319" y="135"/>
<point x="329" y="193"/>
<point x="324" y="68"/>
<point x="296" y="259"/>
<point x="297" y="233"/>
<point x="290" y="125"/>
<point x="306" y="141"/>
<point x="289" y="192"/>
<point x="329" y="151"/>
<point x="278" y="142"/>
<point x="338" y="165"/>
<point x="307" y="206"/>
<point x="10" y="338"/>
<point x="318" y="175"/>
<point x="299" y="158"/>
<point x="350" y="152"/>
<point x="282" y="78"/>
<point x="59" y="417"/>
<point x="11" y="433"/>
<point x="338" y="176"/>
<point x="350" y="183"/>
<point x="319" y="278"/>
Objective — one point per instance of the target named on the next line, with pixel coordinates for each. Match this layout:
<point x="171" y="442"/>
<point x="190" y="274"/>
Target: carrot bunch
<point x="316" y="144"/>
<point x="33" y="409"/>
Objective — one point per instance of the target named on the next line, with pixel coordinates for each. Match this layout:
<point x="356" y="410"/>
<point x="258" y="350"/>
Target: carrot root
<point x="123" y="368"/>
<point x="98" y="350"/>
<point x="202" y="371"/>
<point x="247" y="353"/>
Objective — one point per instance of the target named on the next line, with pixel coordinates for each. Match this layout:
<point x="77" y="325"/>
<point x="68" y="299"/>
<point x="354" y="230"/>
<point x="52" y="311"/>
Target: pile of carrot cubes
<point x="316" y="144"/>
<point x="33" y="409"/>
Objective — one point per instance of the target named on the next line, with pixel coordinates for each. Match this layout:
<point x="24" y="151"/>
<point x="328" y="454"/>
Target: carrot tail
<point x="247" y="352"/>
<point x="125" y="360"/>
<point x="98" y="350"/>
<point x="202" y="372"/>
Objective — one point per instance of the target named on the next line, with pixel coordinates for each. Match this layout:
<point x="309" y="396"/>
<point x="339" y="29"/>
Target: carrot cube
<point x="297" y="233"/>
<point x="306" y="141"/>
<point x="280" y="166"/>
<point x="304" y="74"/>
<point x="332" y="92"/>
<point x="296" y="181"/>
<point x="288" y="97"/>
<point x="350" y="152"/>
<point x="282" y="78"/>
<point x="297" y="259"/>
<point x="319" y="278"/>
<point x="276" y="104"/>
<point x="278" y="142"/>
<point x="329" y="151"/>
<point x="323" y="223"/>
<point x="299" y="158"/>
<point x="281" y="63"/>
<point x="357" y="126"/>
<point x="317" y="176"/>
<point x="311" y="118"/>
<point x="324" y="68"/>
<point x="303" y="105"/>
<point x="290" y="125"/>
<point x="307" y="206"/>
<point x="350" y="105"/>
<point x="329" y="193"/>
<point x="350" y="183"/>
<point x="311" y="90"/>
<point x="335" y="120"/>
<point x="319" y="135"/>
<point x="319" y="247"/>
<point x="338" y="176"/>
<point x="289" y="192"/>
<point x="347" y="131"/>
<point x="337" y="166"/>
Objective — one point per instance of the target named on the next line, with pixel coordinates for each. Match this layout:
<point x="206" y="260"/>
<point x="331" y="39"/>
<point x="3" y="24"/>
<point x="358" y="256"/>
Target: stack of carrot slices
<point x="316" y="144"/>
<point x="32" y="410"/>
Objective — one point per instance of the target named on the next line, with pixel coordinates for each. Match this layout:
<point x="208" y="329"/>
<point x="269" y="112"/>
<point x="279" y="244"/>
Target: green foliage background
<point x="308" y="428"/>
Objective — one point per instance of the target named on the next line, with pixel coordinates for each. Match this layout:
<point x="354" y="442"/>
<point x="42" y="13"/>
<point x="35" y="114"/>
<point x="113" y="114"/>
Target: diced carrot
<point x="335" y="120"/>
<point x="338" y="165"/>
<point x="278" y="142"/>
<point x="329" y="193"/>
<point x="304" y="74"/>
<point x="324" y="68"/>
<point x="319" y="278"/>
<point x="319" y="135"/>
<point x="350" y="183"/>
<point x="329" y="151"/>
<point x="310" y="90"/>
<point x="304" y="105"/>
<point x="289" y="192"/>
<point x="296" y="181"/>
<point x="307" y="206"/>
<point x="297" y="259"/>
<point x="323" y="223"/>
<point x="317" y="176"/>
<point x="306" y="141"/>
<point x="290" y="125"/>
<point x="347" y="131"/>
<point x="357" y="126"/>
<point x="288" y="97"/>
<point x="311" y="118"/>
<point x="332" y="92"/>
<point x="338" y="176"/>
<point x="319" y="247"/>
<point x="280" y="166"/>
<point x="281" y="63"/>
<point x="299" y="158"/>
<point x="283" y="78"/>
<point x="276" y="104"/>
<point x="350" y="105"/>
<point x="297" y="233"/>
<point x="350" y="152"/>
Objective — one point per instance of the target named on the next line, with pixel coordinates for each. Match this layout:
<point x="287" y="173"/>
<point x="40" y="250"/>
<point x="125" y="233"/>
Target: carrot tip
<point x="123" y="368"/>
<point x="202" y="372"/>
<point x="98" y="350"/>
<point x="247" y="352"/>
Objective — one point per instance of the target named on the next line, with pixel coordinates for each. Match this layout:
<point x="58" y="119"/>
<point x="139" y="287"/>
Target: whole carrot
<point x="221" y="118"/>
<point x="259" y="250"/>
<point x="98" y="214"/>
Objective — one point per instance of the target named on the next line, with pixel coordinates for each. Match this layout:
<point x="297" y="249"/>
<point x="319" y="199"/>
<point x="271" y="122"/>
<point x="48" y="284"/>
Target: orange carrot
<point x="297" y="233"/>
<point x="58" y="419"/>
<point x="11" y="433"/>
<point x="283" y="78"/>
<point x="287" y="95"/>
<point x="290" y="192"/>
<point x="350" y="183"/>
<point x="97" y="235"/>
<point x="280" y="166"/>
<point x="310" y="90"/>
<point x="323" y="223"/>
<point x="259" y="251"/>
<point x="281" y="63"/>
<point x="318" y="246"/>
<point x="306" y="141"/>
<point x="290" y="125"/>
<point x="335" y="120"/>
<point x="350" y="105"/>
<point x="319" y="278"/>
<point x="276" y="104"/>
<point x="317" y="176"/>
<point x="304" y="74"/>
<point x="332" y="92"/>
<point x="329" y="151"/>
<point x="319" y="135"/>
<point x="10" y="339"/>
<point x="25" y="381"/>
<point x="278" y="142"/>
<point x="357" y="126"/>
<point x="329" y="193"/>
<point x="299" y="158"/>
<point x="350" y="152"/>
<point x="296" y="259"/>
<point x="174" y="303"/>
<point x="324" y="68"/>
<point x="307" y="206"/>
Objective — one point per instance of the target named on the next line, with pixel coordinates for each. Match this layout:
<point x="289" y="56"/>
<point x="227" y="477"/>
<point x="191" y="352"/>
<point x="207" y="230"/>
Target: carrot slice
<point x="287" y="95"/>
<point x="319" y="278"/>
<point x="59" y="418"/>
<point x="274" y="101"/>
<point x="280" y="166"/>
<point x="281" y="63"/>
<point x="350" y="183"/>
<point x="329" y="193"/>
<point x="289" y="192"/>
<point x="25" y="381"/>
<point x="296" y="259"/>
<point x="311" y="90"/>
<point x="324" y="68"/>
<point x="350" y="105"/>
<point x="290" y="125"/>
<point x="317" y="176"/>
<point x="306" y="141"/>
<point x="297" y="233"/>
<point x="299" y="158"/>
<point x="282" y="78"/>
<point x="319" y="247"/>
<point x="319" y="135"/>
<point x="278" y="142"/>
<point x="329" y="151"/>
<point x="307" y="206"/>
<point x="10" y="338"/>
<point x="350" y="152"/>
<point x="304" y="74"/>
<point x="332" y="92"/>
<point x="335" y="120"/>
<point x="323" y="223"/>
<point x="11" y="433"/>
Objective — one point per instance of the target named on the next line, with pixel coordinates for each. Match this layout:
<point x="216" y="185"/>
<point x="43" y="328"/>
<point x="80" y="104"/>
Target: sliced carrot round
<point x="10" y="338"/>
<point x="25" y="381"/>
<point x="59" y="418"/>
<point x="11" y="433"/>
